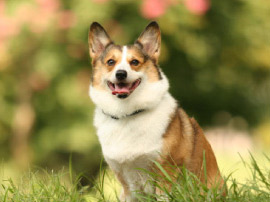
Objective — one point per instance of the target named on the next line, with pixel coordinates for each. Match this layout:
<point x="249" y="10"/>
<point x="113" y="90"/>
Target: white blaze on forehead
<point x="123" y="64"/>
<point x="124" y="54"/>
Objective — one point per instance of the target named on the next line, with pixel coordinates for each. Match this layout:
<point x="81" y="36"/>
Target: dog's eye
<point x="134" y="62"/>
<point x="111" y="62"/>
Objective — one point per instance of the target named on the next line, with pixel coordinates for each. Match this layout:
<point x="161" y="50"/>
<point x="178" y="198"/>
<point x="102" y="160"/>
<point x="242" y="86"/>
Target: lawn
<point x="247" y="180"/>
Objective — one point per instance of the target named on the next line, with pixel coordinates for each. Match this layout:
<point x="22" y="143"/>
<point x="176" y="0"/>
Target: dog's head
<point x="122" y="72"/>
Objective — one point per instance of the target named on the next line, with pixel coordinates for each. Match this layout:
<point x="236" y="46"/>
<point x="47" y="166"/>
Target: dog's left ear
<point x="150" y="40"/>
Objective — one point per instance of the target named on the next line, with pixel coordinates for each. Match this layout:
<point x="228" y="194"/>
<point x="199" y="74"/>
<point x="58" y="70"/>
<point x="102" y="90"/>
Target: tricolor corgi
<point x="137" y="120"/>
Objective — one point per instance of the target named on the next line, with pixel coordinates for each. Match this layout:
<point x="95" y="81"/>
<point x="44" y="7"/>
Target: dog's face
<point x="126" y="78"/>
<point x="122" y="70"/>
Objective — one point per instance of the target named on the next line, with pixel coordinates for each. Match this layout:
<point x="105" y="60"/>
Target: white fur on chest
<point x="135" y="141"/>
<point x="134" y="137"/>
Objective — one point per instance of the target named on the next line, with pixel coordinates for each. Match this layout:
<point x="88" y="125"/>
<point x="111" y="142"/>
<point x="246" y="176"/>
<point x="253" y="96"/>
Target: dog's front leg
<point x="125" y="195"/>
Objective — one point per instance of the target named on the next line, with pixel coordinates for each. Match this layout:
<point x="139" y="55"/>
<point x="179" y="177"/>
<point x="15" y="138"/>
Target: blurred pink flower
<point x="8" y="28"/>
<point x="40" y="21"/>
<point x="49" y="5"/>
<point x="66" y="19"/>
<point x="37" y="17"/>
<point x="154" y="8"/>
<point x="198" y="7"/>
<point x="43" y="15"/>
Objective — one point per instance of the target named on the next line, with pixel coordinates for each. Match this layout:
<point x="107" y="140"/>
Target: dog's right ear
<point x="98" y="39"/>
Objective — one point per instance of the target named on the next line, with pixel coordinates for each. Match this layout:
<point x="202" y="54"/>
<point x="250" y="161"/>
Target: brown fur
<point x="185" y="145"/>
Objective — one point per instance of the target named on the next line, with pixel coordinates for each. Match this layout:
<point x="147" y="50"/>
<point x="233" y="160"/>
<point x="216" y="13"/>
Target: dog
<point x="138" y="122"/>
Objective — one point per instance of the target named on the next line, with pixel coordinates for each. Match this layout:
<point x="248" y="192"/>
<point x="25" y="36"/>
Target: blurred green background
<point x="216" y="55"/>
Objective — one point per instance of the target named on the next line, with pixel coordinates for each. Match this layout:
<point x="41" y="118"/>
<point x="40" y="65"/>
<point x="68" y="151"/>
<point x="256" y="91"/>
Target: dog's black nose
<point x="121" y="74"/>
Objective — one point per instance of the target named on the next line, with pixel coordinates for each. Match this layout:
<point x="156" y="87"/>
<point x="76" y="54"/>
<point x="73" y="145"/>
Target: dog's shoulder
<point x="180" y="137"/>
<point x="181" y="125"/>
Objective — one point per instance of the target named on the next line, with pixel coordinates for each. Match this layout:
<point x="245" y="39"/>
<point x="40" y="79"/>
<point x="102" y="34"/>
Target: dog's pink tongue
<point x="121" y="90"/>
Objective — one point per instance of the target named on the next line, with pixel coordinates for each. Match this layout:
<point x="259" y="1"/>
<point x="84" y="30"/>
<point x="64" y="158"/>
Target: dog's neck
<point x="125" y="116"/>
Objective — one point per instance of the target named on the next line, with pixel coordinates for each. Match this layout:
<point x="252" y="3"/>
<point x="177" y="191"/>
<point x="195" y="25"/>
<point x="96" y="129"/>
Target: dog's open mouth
<point x="123" y="89"/>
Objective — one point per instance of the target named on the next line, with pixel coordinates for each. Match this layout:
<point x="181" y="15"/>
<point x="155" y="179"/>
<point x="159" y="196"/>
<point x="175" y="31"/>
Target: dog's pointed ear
<point x="150" y="40"/>
<point x="98" y="39"/>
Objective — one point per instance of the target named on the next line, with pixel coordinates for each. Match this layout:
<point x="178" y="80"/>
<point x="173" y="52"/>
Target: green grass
<point x="42" y="186"/>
